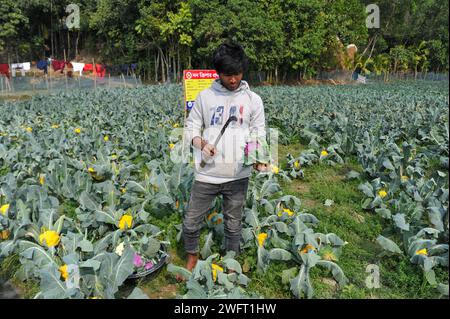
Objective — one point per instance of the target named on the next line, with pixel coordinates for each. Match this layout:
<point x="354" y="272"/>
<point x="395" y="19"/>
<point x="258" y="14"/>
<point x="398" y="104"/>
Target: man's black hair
<point x="229" y="58"/>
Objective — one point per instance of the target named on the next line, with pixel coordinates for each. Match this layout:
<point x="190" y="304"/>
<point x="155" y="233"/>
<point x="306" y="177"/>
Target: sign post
<point x="195" y="81"/>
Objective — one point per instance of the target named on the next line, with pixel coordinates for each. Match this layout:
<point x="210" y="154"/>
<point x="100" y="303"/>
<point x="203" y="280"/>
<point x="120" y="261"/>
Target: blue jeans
<point x="202" y="196"/>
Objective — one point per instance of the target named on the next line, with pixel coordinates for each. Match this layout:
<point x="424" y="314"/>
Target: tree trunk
<point x="189" y="58"/>
<point x="68" y="45"/>
<point x="162" y="58"/>
<point x="76" y="43"/>
<point x="174" y="68"/>
<point x="178" y="66"/>
<point x="163" y="72"/>
<point x="276" y="74"/>
<point x="424" y="75"/>
<point x="163" y="68"/>
<point x="174" y="62"/>
<point x="156" y="66"/>
<point x="368" y="46"/>
<point x="51" y="27"/>
<point x="166" y="63"/>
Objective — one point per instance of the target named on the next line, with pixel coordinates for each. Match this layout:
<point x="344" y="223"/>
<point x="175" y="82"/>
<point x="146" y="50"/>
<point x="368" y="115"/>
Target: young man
<point x="224" y="173"/>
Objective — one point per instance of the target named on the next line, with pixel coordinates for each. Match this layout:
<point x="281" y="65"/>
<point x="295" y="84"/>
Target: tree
<point x="283" y="38"/>
<point x="438" y="55"/>
<point x="401" y="57"/>
<point x="113" y="22"/>
<point x="382" y="65"/>
<point x="419" y="57"/>
<point x="256" y="25"/>
<point x="12" y="21"/>
<point x="176" y="30"/>
<point x="165" y="27"/>
<point x="409" y="23"/>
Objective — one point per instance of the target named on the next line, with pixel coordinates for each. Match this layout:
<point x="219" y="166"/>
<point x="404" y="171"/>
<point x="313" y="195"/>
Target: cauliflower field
<point x="90" y="198"/>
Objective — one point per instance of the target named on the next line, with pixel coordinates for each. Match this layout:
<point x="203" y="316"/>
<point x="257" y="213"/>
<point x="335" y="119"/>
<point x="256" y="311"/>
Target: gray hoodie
<point x="211" y="110"/>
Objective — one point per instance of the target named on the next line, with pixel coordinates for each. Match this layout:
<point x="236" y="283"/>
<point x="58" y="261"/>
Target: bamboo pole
<point x="66" y="69"/>
<point x="49" y="76"/>
<point x="95" y="75"/>
<point x="183" y="140"/>
<point x="123" y="79"/>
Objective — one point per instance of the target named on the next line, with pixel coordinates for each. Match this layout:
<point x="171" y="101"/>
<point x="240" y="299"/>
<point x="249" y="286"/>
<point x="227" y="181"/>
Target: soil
<point x="166" y="292"/>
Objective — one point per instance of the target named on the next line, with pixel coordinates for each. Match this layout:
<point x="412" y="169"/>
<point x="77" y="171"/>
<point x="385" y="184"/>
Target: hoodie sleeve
<point x="258" y="131"/>
<point x="194" y="122"/>
<point x="257" y="118"/>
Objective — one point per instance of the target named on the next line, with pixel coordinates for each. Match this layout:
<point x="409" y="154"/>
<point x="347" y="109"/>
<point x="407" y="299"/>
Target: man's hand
<point x="260" y="167"/>
<point x="209" y="150"/>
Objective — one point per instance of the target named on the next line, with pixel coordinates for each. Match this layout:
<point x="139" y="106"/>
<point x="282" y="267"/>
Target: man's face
<point x="231" y="81"/>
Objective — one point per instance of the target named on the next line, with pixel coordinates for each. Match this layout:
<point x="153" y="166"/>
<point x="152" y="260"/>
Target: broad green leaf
<point x="232" y="265"/>
<point x="52" y="286"/>
<point x="178" y="270"/>
<point x="367" y="189"/>
<point x="206" y="250"/>
<point x="337" y="272"/>
<point x="94" y="264"/>
<point x="443" y="289"/>
<point x="137" y="293"/>
<point x="300" y="285"/>
<point x="388" y="245"/>
<point x="435" y="218"/>
<point x="383" y="212"/>
<point x="87" y="202"/>
<point x="279" y="254"/>
<point x="431" y="277"/>
<point x="288" y="274"/>
<point x="399" y="220"/>
<point x="86" y="246"/>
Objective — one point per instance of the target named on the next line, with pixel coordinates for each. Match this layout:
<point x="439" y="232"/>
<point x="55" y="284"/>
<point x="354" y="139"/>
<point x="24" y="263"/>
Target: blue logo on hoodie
<point x="217" y="117"/>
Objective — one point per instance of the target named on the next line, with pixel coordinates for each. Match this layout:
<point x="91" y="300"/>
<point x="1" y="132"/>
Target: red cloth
<point x="88" y="67"/>
<point x="4" y="69"/>
<point x="99" y="70"/>
<point x="58" y="65"/>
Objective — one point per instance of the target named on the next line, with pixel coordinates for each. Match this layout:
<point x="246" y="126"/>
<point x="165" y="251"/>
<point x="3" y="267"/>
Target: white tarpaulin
<point x="78" y="67"/>
<point x="22" y="67"/>
<point x="361" y="79"/>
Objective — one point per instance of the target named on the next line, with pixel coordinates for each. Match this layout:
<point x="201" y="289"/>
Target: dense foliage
<point x="282" y="38"/>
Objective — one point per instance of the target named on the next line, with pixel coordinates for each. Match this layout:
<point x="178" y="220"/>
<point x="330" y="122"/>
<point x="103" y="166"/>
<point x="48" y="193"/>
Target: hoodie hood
<point x="217" y="86"/>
